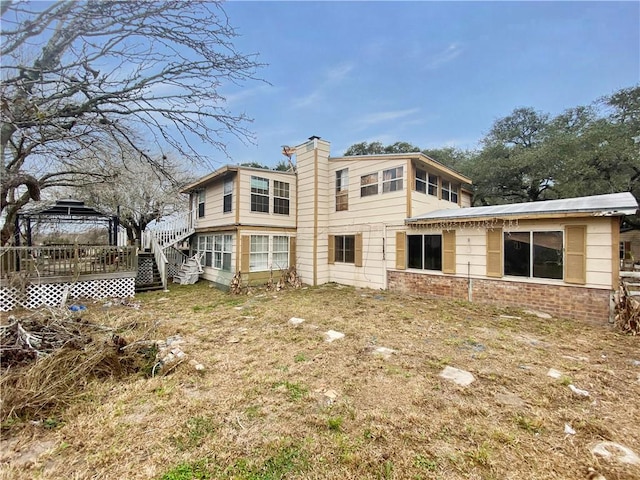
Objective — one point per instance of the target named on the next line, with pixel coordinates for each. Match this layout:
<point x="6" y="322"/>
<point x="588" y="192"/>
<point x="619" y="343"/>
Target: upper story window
<point x="201" y="198"/>
<point x="342" y="190"/>
<point x="433" y="185"/>
<point x="369" y="184"/>
<point x="449" y="191"/>
<point x="227" y="201"/>
<point x="280" y="197"/>
<point x="426" y="182"/>
<point x="392" y="179"/>
<point x="259" y="194"/>
<point x="421" y="181"/>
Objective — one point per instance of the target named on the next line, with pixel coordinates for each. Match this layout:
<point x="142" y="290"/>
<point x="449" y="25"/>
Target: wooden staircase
<point x="190" y="271"/>
<point x="148" y="277"/>
<point x="158" y="241"/>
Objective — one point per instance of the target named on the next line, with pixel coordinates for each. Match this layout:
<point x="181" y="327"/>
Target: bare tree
<point x="139" y="194"/>
<point x="94" y="79"/>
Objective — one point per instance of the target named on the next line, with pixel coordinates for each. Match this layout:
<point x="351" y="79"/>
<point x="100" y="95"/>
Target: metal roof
<point x="614" y="204"/>
<point x="68" y="208"/>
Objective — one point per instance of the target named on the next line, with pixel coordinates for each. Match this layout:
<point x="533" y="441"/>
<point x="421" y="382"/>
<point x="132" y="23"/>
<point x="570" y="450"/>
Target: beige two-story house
<point x="405" y="222"/>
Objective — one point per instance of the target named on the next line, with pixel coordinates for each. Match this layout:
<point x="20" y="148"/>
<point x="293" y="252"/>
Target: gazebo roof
<point x="69" y="209"/>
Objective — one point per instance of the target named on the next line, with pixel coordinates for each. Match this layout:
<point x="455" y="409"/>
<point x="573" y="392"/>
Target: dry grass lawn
<point x="278" y="401"/>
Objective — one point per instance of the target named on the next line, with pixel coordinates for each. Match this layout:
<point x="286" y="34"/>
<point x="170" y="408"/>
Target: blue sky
<point x="433" y="74"/>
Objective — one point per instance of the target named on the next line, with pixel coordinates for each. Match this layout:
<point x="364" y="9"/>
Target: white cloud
<point x="447" y="55"/>
<point x="388" y="116"/>
<point x="246" y="93"/>
<point x="339" y="72"/>
<point x="332" y="77"/>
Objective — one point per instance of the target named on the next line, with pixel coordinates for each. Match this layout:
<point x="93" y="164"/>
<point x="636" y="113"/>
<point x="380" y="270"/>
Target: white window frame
<point x="222" y="248"/>
<point x="421" y="181"/>
<point x="279" y="257"/>
<point x="368" y="185"/>
<point x="432" y="184"/>
<point x="264" y="260"/>
<point x="392" y="179"/>
<point x="342" y="190"/>
<point x="227" y="192"/>
<point x="280" y="189"/>
<point x="531" y="254"/>
<point x="259" y="193"/>
<point x="451" y="190"/>
<point x="258" y="258"/>
<point x="201" y="203"/>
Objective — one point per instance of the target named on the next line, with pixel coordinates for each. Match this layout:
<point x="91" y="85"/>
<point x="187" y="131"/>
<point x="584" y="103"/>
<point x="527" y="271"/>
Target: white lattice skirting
<point x="50" y="294"/>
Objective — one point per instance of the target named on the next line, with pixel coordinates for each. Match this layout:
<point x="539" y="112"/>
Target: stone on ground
<point x="460" y="377"/>
<point x="296" y="321"/>
<point x="615" y="452"/>
<point x="383" y="352"/>
<point x="509" y="399"/>
<point x="553" y="373"/>
<point x="538" y="314"/>
<point x="332" y="335"/>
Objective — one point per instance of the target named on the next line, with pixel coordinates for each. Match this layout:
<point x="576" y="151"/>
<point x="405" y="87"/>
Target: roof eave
<point x="208" y="178"/>
<point x="521" y="216"/>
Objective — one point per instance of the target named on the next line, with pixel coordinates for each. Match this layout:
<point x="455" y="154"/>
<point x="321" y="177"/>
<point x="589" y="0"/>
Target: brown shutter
<point x="245" y="251"/>
<point x="575" y="270"/>
<point x="358" y="242"/>
<point x="401" y="249"/>
<point x="449" y="252"/>
<point x="494" y="252"/>
<point x="292" y="251"/>
<point x="332" y="250"/>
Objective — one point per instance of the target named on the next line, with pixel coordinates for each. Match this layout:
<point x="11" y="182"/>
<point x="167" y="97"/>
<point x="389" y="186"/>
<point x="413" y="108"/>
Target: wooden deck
<point x="48" y="262"/>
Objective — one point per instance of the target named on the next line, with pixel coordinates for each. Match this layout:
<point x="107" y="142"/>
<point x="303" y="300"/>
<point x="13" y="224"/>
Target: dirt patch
<point x="282" y="401"/>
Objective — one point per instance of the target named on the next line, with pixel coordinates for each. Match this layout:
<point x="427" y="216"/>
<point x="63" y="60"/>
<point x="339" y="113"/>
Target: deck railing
<point x="175" y="229"/>
<point x="72" y="260"/>
<point x="161" y="261"/>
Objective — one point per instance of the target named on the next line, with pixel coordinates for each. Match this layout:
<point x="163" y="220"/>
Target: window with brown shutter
<point x="449" y="252"/>
<point x="292" y="251"/>
<point x="494" y="252"/>
<point x="576" y="254"/>
<point x="331" y="258"/>
<point x="358" y="250"/>
<point x="401" y="248"/>
<point x="244" y="254"/>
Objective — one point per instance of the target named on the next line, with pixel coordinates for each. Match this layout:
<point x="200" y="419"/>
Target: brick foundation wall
<point x="579" y="303"/>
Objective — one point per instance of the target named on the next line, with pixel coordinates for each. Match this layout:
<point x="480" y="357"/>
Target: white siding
<point x="270" y="219"/>
<point x="471" y="248"/>
<point x="213" y="214"/>
<point x="312" y="223"/>
<point x="386" y="207"/>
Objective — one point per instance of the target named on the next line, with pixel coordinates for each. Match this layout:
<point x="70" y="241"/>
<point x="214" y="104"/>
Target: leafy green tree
<point x="377" y="148"/>
<point x="512" y="166"/>
<point x="254" y="165"/>
<point x="452" y="157"/>
<point x="365" y="148"/>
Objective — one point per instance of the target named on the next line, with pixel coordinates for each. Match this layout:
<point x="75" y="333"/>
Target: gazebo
<point x="48" y="274"/>
<point x="67" y="211"/>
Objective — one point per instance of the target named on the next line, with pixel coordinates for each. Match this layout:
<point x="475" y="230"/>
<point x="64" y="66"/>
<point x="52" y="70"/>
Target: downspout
<point x="469" y="282"/>
<point x="384" y="257"/>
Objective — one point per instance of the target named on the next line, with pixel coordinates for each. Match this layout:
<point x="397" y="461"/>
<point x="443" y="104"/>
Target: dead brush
<point x="57" y="380"/>
<point x="68" y="354"/>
